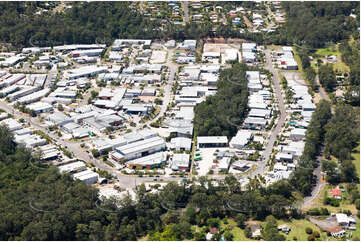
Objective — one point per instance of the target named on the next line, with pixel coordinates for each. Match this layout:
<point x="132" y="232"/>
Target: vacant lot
<point x="210" y="47"/>
<point x="158" y="56"/>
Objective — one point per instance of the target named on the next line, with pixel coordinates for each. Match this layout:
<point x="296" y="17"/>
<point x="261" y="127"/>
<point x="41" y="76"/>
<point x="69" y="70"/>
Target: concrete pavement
<point x="185" y="10"/>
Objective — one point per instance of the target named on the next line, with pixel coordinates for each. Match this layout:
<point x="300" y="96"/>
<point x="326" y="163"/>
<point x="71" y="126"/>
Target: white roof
<point x="242" y="138"/>
<point x="72" y="167"/>
<point x="252" y="75"/>
<point x="248" y="46"/>
<point x="298" y="131"/>
<point x="181" y="142"/>
<point x="39" y="106"/>
<point x="211" y="139"/>
<point x="283" y="156"/>
<point x="342" y="218"/>
<point x="141" y="145"/>
<point x="181" y="159"/>
<point x="155" y="158"/>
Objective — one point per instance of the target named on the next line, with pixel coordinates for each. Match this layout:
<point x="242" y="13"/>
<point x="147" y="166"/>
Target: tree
<point x="327" y="77"/>
<point x="241" y="219"/>
<point x="248" y="232"/>
<point x="158" y="101"/>
<point x="348" y="172"/>
<point x="228" y="236"/>
<point x="270" y="231"/>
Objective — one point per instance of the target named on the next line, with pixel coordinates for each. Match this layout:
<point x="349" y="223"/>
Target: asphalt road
<point x="318" y="187"/>
<point x="281" y="120"/>
<point x="185" y="10"/>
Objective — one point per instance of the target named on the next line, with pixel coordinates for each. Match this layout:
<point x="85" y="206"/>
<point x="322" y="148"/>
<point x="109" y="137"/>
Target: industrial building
<point x="241" y="140"/>
<point x="180" y="162"/>
<point x="148" y="162"/>
<point x="212" y="141"/>
<point x="141" y="148"/>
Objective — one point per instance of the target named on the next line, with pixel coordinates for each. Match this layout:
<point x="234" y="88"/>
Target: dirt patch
<point x="223" y="40"/>
<point x="210" y="47"/>
<point x="328" y="223"/>
<point x="248" y="23"/>
<point x="317" y="98"/>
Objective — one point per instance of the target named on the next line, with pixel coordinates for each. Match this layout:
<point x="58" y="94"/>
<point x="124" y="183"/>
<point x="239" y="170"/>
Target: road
<point x="185" y="10"/>
<point x="281" y="120"/>
<point x="74" y="147"/>
<point x="173" y="68"/>
<point x="318" y="187"/>
<point x="322" y="91"/>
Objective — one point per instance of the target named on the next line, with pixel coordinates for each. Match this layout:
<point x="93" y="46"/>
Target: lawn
<point x="298" y="229"/>
<point x="298" y="60"/>
<point x="344" y="205"/>
<point x="274" y="47"/>
<point x="238" y="233"/>
<point x="328" y="51"/>
<point x="356" y="159"/>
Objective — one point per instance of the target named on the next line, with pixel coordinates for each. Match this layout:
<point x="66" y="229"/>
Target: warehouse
<point x="141" y="148"/>
<point x="260" y="113"/>
<point x="181" y="143"/>
<point x="36" y="96"/>
<point x="241" y="140"/>
<point x="30" y="140"/>
<point x="25" y="90"/>
<point x="8" y="90"/>
<point x="118" y="44"/>
<point x="284" y="157"/>
<point x="62" y="48"/>
<point x="64" y="92"/>
<point x="11" y="61"/>
<point x="212" y="141"/>
<point x="294" y="148"/>
<point x="22" y="131"/>
<point x="188" y="44"/>
<point x="59" y="118"/>
<point x="90" y="52"/>
<point x="73" y="167"/>
<point x="138" y="109"/>
<point x="49" y="152"/>
<point x="85" y="71"/>
<point x="11" y="79"/>
<point x="11" y="123"/>
<point x="181" y="127"/>
<point x="40" y="107"/>
<point x="148" y="91"/>
<point x="248" y="57"/>
<point x="148" y="162"/>
<point x="224" y="163"/>
<point x="87" y="176"/>
<point x="255" y="123"/>
<point x="249" y="47"/>
<point x="298" y="134"/>
<point x="180" y="162"/>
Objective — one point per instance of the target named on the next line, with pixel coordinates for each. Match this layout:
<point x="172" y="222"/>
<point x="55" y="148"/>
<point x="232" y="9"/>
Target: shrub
<point x="311" y="237"/>
<point x="308" y="230"/>
<point x="316" y="234"/>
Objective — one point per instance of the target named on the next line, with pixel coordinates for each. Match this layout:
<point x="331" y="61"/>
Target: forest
<point x="310" y="24"/>
<point x="41" y="204"/>
<point x="302" y="179"/>
<point x="317" y="24"/>
<point x="224" y="112"/>
<point x="350" y="53"/>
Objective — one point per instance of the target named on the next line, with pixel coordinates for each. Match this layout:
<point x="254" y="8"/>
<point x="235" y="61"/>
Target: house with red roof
<point x="336" y="193"/>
